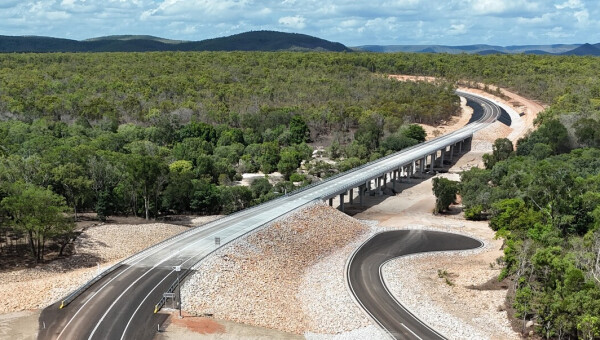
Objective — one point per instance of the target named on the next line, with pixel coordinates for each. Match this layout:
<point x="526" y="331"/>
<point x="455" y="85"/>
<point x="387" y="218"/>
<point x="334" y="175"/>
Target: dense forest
<point x="170" y="133"/>
<point x="160" y="133"/>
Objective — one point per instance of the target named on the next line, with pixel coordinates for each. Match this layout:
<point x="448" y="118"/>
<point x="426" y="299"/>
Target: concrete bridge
<point x="419" y="159"/>
<point x="404" y="172"/>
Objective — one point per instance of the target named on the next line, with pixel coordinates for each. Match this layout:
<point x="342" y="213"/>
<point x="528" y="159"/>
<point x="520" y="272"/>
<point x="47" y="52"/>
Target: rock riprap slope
<point x="270" y="278"/>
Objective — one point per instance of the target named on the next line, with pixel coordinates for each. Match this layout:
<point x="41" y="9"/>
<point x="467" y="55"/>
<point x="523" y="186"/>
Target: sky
<point x="353" y="23"/>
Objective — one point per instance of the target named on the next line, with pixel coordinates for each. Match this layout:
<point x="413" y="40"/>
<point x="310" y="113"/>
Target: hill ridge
<point x="247" y="41"/>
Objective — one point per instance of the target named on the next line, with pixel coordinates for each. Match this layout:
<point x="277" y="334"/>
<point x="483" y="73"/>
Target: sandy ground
<point x="478" y="313"/>
<point x="524" y="111"/>
<point x="24" y="291"/>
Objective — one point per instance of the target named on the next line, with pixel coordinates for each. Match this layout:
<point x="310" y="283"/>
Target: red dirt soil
<point x="197" y="324"/>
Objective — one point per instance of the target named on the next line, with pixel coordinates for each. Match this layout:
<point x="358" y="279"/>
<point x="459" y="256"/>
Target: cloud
<point x="296" y="22"/>
<point x="502" y="22"/>
<point x="573" y="4"/>
<point x="457" y="29"/>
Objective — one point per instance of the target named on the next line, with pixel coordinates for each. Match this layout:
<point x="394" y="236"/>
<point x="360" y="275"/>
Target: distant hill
<point x="136" y="37"/>
<point x="265" y="41"/>
<point x="585" y="49"/>
<point x="557" y="49"/>
<point x="249" y="41"/>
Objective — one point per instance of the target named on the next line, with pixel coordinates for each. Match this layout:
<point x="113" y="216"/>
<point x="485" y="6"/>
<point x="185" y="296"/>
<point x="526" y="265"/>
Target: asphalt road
<point x="366" y="282"/>
<point x="121" y="304"/>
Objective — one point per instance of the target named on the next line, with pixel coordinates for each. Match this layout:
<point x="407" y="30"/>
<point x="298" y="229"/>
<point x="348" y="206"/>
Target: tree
<point x="587" y="131"/>
<point x="260" y="187"/>
<point x="445" y="192"/>
<point x="416" y="132"/>
<point x="39" y="213"/>
<point x="205" y="198"/>
<point x="234" y="198"/>
<point x="179" y="191"/>
<point x="75" y="185"/>
<point x="298" y="130"/>
<point x="397" y="142"/>
<point x="147" y="171"/>
<point x="288" y="163"/>
<point x="501" y="150"/>
<point x="370" y="131"/>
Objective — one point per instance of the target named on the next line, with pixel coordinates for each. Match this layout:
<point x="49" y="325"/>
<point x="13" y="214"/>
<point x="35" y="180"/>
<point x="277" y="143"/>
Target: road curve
<point x="121" y="304"/>
<point x="366" y="282"/>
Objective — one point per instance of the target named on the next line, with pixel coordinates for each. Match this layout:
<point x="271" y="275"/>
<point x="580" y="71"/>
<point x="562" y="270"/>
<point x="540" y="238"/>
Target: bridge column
<point x="342" y="202"/>
<point x="351" y="196"/>
<point x="331" y="202"/>
<point x="451" y="152"/>
<point x="432" y="161"/>
<point x="460" y="147"/>
<point x="442" y="158"/>
<point x="422" y="165"/>
<point x="379" y="186"/>
<point x="413" y="168"/>
<point x="361" y="194"/>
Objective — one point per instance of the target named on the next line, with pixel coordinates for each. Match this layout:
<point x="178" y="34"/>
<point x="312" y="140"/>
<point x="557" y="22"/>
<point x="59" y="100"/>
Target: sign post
<point x="178" y="269"/>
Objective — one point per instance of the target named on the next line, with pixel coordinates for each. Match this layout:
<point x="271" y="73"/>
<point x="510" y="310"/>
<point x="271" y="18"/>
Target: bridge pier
<point x="432" y="161"/>
<point x="451" y="152"/>
<point x="442" y="157"/>
<point x="460" y="144"/>
<point x="342" y="202"/>
<point x="422" y="165"/>
<point x="361" y="194"/>
<point x="351" y="196"/>
<point x="331" y="202"/>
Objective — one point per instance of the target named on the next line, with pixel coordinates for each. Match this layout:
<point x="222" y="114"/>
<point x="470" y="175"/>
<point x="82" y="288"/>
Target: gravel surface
<point x="265" y="278"/>
<point x="412" y="280"/>
<point x="369" y="332"/>
<point x="97" y="248"/>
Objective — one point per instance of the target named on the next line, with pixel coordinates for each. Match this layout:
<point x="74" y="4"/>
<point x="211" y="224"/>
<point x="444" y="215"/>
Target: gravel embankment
<point x="105" y="245"/>
<point x="266" y="278"/>
<point x="416" y="282"/>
